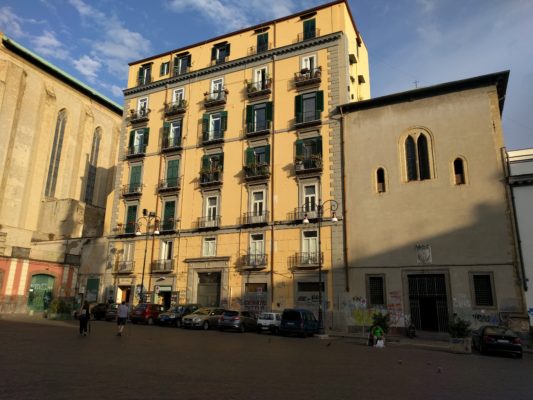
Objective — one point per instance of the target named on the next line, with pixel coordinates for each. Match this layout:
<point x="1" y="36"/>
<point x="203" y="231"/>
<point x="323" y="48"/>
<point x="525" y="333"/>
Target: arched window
<point x="55" y="156"/>
<point x="380" y="181"/>
<point x="417" y="157"/>
<point x="459" y="171"/>
<point x="93" y="163"/>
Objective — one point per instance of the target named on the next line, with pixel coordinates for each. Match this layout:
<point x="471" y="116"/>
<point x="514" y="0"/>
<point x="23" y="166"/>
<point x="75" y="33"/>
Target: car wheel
<point x="150" y="321"/>
<point x="205" y="326"/>
<point x="242" y="329"/>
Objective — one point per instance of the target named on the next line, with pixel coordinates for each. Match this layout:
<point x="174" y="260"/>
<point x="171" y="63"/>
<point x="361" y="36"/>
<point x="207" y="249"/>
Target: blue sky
<point x="422" y="41"/>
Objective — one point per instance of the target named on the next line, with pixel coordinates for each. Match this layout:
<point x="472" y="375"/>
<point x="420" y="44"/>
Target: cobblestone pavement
<point x="41" y="359"/>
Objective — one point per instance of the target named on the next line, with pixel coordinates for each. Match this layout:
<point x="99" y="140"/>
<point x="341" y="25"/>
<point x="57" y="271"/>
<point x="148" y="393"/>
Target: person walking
<point x="84" y="316"/>
<point x="122" y="316"/>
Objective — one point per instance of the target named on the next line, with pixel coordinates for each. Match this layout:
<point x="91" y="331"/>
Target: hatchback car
<point x="268" y="322"/>
<point x="298" y="321"/>
<point x="204" y="318"/>
<point x="492" y="338"/>
<point x="239" y="320"/>
<point x="98" y="310"/>
<point x="146" y="313"/>
<point x="173" y="316"/>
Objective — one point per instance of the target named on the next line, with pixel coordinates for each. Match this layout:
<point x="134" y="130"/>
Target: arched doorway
<point x="41" y="292"/>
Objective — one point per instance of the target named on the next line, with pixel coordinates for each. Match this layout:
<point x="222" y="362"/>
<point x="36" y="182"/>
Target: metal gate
<point x="428" y="301"/>
<point x="209" y="289"/>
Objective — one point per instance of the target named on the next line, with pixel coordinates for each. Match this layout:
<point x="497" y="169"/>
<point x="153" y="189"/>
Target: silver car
<point x="203" y="318"/>
<point x="268" y="322"/>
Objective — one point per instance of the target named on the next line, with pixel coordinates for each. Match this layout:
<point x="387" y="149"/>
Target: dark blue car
<point x="298" y="321"/>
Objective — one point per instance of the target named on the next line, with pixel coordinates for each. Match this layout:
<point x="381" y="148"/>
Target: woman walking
<point x="84" y="317"/>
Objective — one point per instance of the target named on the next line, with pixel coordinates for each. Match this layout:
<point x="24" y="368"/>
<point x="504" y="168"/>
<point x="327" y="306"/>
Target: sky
<point x="411" y="43"/>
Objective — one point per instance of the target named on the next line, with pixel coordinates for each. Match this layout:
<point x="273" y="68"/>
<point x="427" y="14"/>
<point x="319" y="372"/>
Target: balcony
<point x="159" y="266"/>
<point x="175" y="108"/>
<point x="180" y="70"/>
<point x="210" y="178"/>
<point x="132" y="190"/>
<point x="256" y="172"/>
<point x="308" y="118"/>
<point x="307" y="260"/>
<point x="258" y="128"/>
<point x="219" y="60"/>
<point x="212" y="136"/>
<point x="136" y="151"/>
<point x="125" y="267"/>
<point x="308" y="211"/>
<point x="167" y="226"/>
<point x="253" y="50"/>
<point x="171" y="144"/>
<point x="209" y="222"/>
<point x="138" y="116"/>
<point x="308" y="165"/>
<point x="258" y="89"/>
<point x="216" y="98"/>
<point x="254" y="262"/>
<point x="126" y="230"/>
<point x="307" y="77"/>
<point x="169" y="185"/>
<point x="255" y="218"/>
<point x="310" y="34"/>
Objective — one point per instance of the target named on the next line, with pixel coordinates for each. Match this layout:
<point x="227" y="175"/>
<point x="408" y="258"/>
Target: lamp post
<point x="333" y="205"/>
<point x="147" y="218"/>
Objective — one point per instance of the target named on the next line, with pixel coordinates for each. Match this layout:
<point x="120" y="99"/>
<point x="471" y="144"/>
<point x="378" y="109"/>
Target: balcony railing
<point x="311" y="34"/>
<point x="259" y="49"/>
<point x="171" y="144"/>
<point x="180" y="70"/>
<point x="308" y="77"/>
<point x="212" y="136"/>
<point x="169" y="184"/>
<point x="308" y="118"/>
<point x="137" y="116"/>
<point x="144" y="80"/>
<point x="309" y="211"/>
<point x="136" y="151"/>
<point x="256" y="171"/>
<point x="219" y="60"/>
<point x="209" y="222"/>
<point x="167" y="225"/>
<point x="307" y="260"/>
<point x="305" y="165"/>
<point x="125" y="267"/>
<point x="210" y="178"/>
<point x="132" y="189"/>
<point x="254" y="261"/>
<point x="255" y="218"/>
<point x="261" y="88"/>
<point x="215" y="98"/>
<point x="162" y="266"/>
<point x="258" y="128"/>
<point x="176" y="107"/>
<point x="128" y="229"/>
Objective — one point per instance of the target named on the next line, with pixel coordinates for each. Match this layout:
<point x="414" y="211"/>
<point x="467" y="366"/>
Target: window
<point x="258" y="156"/>
<point x="145" y="74"/>
<point x="309" y="63"/>
<point x="167" y="249"/>
<point x="55" y="156"/>
<point x="308" y="106"/>
<point x="310" y="200"/>
<point x="309" y="247"/>
<point x="217" y="89"/>
<point x="128" y="250"/>
<point x="212" y="166"/>
<point x="169" y="213"/>
<point x="380" y="180"/>
<point x="138" y="140"/>
<point x="261" y="80"/>
<point x="214" y="125"/>
<point x="178" y="95"/>
<point x="182" y="63"/>
<point x="131" y="218"/>
<point x="309" y="29"/>
<point x="164" y="70"/>
<point x="459" y="171"/>
<point x="172" y="134"/>
<point x="483" y="290"/>
<point x="220" y="53"/>
<point x="142" y="107"/>
<point x="211" y="210"/>
<point x="258" y="203"/>
<point x="375" y="289"/>
<point x="135" y="185"/>
<point x="258" y="117"/>
<point x="257" y="244"/>
<point x="417" y="157"/>
<point x="309" y="153"/>
<point x="209" y="247"/>
<point x="93" y="163"/>
<point x="262" y="42"/>
<point x="172" y="173"/>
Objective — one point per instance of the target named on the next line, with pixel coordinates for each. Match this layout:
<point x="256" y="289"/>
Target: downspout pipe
<point x="344" y="206"/>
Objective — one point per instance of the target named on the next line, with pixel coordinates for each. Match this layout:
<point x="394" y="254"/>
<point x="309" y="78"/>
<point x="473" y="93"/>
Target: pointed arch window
<point x="459" y="171"/>
<point x="380" y="181"/>
<point x="55" y="156"/>
<point x="93" y="163"/>
<point x="417" y="157"/>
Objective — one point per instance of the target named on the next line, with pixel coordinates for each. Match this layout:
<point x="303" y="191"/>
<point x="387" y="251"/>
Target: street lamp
<point x="333" y="205"/>
<point x="147" y="218"/>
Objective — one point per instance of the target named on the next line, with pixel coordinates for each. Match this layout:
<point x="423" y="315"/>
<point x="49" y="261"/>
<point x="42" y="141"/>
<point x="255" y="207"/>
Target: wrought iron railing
<point x="209" y="222"/>
<point x="258" y="127"/>
<point x="308" y="117"/>
<point x="136" y="150"/>
<point x="132" y="189"/>
<point x="125" y="267"/>
<point x="212" y="135"/>
<point x="176" y="107"/>
<point x="210" y="177"/>
<point x="169" y="183"/>
<point x="171" y="143"/>
<point x="257" y="171"/>
<point x="215" y="98"/>
<point x="308" y="76"/>
<point x="255" y="217"/>
<point x="310" y="34"/>
<point x="308" y="164"/>
<point x="254" y="260"/>
<point x="258" y="88"/>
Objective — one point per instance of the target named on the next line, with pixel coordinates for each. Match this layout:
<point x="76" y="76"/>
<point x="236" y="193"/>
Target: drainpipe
<point x="344" y="207"/>
<point x="272" y="174"/>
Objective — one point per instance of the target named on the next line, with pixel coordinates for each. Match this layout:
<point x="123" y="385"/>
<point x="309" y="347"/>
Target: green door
<point x="41" y="289"/>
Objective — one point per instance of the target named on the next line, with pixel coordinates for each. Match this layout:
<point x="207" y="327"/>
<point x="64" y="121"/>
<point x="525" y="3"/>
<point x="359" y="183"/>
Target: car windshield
<point x="231" y="313"/>
<point x="267" y="316"/>
<point x="291" y="315"/>
<point x="496" y="330"/>
<point x="202" y="311"/>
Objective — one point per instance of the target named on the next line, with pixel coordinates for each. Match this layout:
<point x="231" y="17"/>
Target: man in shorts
<point x="122" y="316"/>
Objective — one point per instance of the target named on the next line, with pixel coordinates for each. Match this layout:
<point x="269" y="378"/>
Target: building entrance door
<point x="428" y="301"/>
<point x="209" y="289"/>
<point x="41" y="289"/>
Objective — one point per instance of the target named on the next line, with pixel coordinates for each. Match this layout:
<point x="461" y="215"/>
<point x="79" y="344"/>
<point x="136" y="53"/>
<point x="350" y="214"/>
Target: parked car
<point x="173" y="316"/>
<point x="98" y="310"/>
<point x="238" y="320"/>
<point x="146" y="313"/>
<point x="268" y="322"/>
<point x="111" y="313"/>
<point x="494" y="338"/>
<point x="298" y="321"/>
<point x="205" y="318"/>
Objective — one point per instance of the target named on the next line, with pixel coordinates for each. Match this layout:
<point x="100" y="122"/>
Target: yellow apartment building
<point x="228" y="163"/>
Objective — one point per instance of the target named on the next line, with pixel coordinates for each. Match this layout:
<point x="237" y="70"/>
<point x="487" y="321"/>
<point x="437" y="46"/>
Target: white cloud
<point x="88" y="67"/>
<point x="117" y="91"/>
<point x="11" y="23"/>
<point x="48" y="45"/>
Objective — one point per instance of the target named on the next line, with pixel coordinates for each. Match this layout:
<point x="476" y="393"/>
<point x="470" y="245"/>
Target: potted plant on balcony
<point x="317" y="160"/>
<point x="460" y="341"/>
<point x="299" y="163"/>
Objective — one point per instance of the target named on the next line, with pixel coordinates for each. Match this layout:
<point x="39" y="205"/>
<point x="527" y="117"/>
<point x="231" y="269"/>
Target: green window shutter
<point x="172" y="169"/>
<point x="298" y="105"/>
<point x="224" y="121"/>
<point x="146" y="133"/>
<point x="162" y="69"/>
<point x="189" y="60"/>
<point x="206" y="162"/>
<point x="132" y="138"/>
<point x="205" y="123"/>
<point x="269" y="111"/>
<point x="221" y="159"/>
<point x="170" y="208"/>
<point x="300" y="148"/>
<point x="318" y="145"/>
<point x="309" y="28"/>
<point x="249" y="114"/>
<point x="166" y="129"/>
<point x="135" y="175"/>
<point x="250" y="156"/>
<point x="320" y="100"/>
<point x="267" y="154"/>
<point x="227" y="49"/>
<point x="139" y="75"/>
<point x="213" y="53"/>
<point x="132" y="215"/>
<point x="262" y="42"/>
